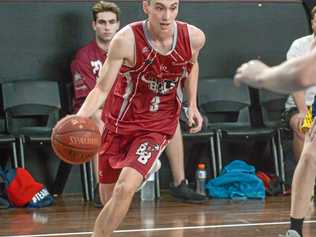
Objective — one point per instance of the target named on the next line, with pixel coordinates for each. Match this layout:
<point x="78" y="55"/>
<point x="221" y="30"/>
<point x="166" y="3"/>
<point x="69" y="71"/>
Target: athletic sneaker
<point x="156" y="166"/>
<point x="184" y="193"/>
<point x="291" y="233"/>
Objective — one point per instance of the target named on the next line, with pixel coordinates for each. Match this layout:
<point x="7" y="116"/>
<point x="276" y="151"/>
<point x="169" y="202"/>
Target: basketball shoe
<point x="184" y="193"/>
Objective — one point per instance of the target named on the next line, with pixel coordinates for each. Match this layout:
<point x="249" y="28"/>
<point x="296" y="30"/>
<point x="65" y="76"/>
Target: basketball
<point x="75" y="139"/>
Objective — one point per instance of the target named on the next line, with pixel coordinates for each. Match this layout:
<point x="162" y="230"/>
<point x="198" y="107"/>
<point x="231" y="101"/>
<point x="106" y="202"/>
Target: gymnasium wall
<point x="39" y="38"/>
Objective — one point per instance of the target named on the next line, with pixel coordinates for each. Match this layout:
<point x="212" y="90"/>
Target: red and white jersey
<point x="147" y="97"/>
<point x="84" y="69"/>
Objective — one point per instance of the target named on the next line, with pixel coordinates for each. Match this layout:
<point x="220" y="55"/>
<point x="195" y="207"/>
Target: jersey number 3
<point x="154" y="104"/>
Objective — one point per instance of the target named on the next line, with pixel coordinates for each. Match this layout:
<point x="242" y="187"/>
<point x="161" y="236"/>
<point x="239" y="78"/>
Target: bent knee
<point x="123" y="190"/>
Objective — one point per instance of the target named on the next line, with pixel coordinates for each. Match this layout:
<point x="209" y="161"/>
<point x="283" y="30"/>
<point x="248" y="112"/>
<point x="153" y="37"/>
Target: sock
<point x="297" y="225"/>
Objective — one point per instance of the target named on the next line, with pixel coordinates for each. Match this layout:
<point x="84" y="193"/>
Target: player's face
<point x="161" y="13"/>
<point x="105" y="26"/>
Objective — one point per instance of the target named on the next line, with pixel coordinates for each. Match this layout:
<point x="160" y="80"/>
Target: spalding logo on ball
<point x="75" y="139"/>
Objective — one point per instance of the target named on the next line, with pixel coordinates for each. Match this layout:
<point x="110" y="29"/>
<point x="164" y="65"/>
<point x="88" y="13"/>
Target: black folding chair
<point x="227" y="109"/>
<point x="7" y="140"/>
<point x="31" y="110"/>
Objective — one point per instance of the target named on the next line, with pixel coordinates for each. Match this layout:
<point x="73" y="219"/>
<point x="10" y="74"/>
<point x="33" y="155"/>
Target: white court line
<point x="166" y="229"/>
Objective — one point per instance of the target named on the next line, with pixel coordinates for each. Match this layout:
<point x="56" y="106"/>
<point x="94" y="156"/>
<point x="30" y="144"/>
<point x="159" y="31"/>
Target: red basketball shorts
<point x="138" y="151"/>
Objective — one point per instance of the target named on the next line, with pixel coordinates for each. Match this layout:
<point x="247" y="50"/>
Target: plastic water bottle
<point x="200" y="178"/>
<point x="147" y="193"/>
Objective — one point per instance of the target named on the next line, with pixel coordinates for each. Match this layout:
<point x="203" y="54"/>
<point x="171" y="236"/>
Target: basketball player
<point x="141" y="83"/>
<point x="298" y="103"/>
<point x="293" y="75"/>
<point x="85" y="68"/>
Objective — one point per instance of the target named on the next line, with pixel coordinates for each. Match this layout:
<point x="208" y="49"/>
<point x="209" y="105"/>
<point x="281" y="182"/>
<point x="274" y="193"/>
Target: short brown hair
<point x="313" y="12"/>
<point x="103" y="6"/>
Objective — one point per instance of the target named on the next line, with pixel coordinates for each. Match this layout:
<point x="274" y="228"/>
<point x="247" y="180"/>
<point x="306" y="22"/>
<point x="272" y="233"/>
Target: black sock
<point x="297" y="225"/>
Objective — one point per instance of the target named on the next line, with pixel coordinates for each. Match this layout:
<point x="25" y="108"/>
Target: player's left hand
<point x="248" y="73"/>
<point x="195" y="120"/>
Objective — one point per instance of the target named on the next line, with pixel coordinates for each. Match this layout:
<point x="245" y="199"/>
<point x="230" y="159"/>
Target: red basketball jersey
<point x="147" y="97"/>
<point x="85" y="68"/>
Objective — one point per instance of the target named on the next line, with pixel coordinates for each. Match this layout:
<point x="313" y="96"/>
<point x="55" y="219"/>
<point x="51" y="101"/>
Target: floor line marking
<point x="166" y="229"/>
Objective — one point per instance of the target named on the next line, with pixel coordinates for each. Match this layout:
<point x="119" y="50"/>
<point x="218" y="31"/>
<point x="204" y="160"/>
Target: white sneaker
<point x="155" y="167"/>
<point x="291" y="233"/>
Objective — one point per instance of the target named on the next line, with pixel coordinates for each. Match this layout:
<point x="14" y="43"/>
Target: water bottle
<point x="147" y="193"/>
<point x="200" y="178"/>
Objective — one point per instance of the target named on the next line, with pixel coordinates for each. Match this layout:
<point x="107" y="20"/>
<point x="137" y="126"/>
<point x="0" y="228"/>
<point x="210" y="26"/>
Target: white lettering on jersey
<point x="161" y="87"/>
<point x="154" y="104"/>
<point x="77" y="77"/>
<point x="144" y="152"/>
<point x="96" y="66"/>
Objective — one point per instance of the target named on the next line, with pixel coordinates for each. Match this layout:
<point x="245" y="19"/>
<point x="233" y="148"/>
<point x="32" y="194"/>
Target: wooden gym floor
<point x="70" y="216"/>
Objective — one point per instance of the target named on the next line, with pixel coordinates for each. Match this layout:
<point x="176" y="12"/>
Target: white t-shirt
<point x="300" y="47"/>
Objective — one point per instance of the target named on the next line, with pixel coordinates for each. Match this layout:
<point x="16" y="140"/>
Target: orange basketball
<point x="75" y="139"/>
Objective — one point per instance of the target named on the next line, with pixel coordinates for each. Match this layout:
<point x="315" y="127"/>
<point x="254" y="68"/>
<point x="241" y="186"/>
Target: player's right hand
<point x="195" y="120"/>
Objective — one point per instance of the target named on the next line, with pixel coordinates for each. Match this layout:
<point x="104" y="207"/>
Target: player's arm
<point x="296" y="74"/>
<point x="293" y="75"/>
<point x="195" y="120"/>
<point x="298" y="96"/>
<point x="119" y="51"/>
<point x="299" y="99"/>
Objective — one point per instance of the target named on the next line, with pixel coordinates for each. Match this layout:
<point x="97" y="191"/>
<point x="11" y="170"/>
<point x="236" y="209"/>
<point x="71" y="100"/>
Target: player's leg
<point x="298" y="136"/>
<point x="302" y="187"/>
<point x="180" y="188"/>
<point x="143" y="152"/>
<point x="107" y="183"/>
<point x="100" y="124"/>
<point x="174" y="152"/>
<point x="116" y="208"/>
<point x="107" y="176"/>
<point x="106" y="191"/>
